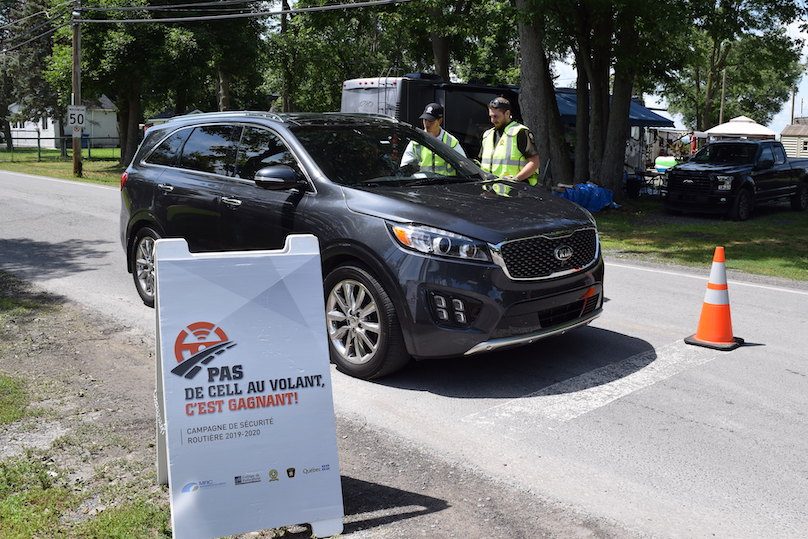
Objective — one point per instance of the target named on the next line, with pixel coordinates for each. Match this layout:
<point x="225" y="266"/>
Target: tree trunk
<point x="224" y="89"/>
<point x="286" y="99"/>
<point x="132" y="133"/>
<point x="537" y="99"/>
<point x="123" y="121"/>
<point x="593" y="29"/>
<point x="7" y="134"/>
<point x="581" y="123"/>
<point x="614" y="154"/>
<point x="440" y="52"/>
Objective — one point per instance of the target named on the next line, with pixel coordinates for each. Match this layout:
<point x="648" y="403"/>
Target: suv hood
<point x="472" y="209"/>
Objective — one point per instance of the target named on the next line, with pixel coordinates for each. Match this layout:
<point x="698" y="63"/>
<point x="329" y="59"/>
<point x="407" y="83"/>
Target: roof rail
<point x="369" y="114"/>
<point x="255" y="113"/>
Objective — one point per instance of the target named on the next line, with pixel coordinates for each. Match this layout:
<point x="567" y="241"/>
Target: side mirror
<point x="764" y="164"/>
<point x="278" y="178"/>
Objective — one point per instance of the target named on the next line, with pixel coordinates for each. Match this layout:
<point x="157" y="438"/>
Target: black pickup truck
<point x="731" y="177"/>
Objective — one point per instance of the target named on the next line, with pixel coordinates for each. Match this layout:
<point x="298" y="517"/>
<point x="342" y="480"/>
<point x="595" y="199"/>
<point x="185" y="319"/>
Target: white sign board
<point x="246" y="390"/>
<point x="76" y="115"/>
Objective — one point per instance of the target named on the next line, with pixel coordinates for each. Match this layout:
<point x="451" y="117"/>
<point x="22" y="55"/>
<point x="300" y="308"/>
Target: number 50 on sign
<point x="75" y="115"/>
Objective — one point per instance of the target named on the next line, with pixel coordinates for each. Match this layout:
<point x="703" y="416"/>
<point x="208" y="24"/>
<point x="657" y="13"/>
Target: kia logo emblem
<point x="563" y="253"/>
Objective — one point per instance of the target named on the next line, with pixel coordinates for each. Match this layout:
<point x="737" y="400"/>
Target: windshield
<point x="727" y="154"/>
<point x="376" y="155"/>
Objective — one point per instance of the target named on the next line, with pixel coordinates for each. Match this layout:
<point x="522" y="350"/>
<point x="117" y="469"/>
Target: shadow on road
<point x="514" y="373"/>
<point x="369" y="505"/>
<point x="38" y="259"/>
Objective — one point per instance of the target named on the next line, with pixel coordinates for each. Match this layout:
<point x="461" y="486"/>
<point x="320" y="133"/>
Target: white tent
<point x="741" y="127"/>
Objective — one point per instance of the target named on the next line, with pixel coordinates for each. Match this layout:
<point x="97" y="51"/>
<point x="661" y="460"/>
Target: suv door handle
<point x="166" y="188"/>
<point x="232" y="202"/>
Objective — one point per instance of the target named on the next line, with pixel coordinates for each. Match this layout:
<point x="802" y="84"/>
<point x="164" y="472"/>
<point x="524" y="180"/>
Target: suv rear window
<point x="166" y="153"/>
<point x="211" y="148"/>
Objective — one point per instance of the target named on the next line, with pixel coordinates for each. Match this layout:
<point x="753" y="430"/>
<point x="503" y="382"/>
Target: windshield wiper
<point x="441" y="179"/>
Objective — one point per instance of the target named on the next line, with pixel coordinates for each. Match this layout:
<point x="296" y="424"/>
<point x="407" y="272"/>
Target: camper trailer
<point x="404" y="98"/>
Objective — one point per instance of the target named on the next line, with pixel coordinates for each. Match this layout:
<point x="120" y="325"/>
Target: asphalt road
<point x="619" y="422"/>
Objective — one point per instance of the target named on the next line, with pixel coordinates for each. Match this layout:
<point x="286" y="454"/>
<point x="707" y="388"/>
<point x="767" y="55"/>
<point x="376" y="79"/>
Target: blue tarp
<point x="589" y="195"/>
<point x="638" y="114"/>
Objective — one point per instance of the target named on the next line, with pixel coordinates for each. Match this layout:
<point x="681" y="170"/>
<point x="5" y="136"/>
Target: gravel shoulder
<point x="91" y="384"/>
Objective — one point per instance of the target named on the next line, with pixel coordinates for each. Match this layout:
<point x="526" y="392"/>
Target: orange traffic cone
<point x="715" y="324"/>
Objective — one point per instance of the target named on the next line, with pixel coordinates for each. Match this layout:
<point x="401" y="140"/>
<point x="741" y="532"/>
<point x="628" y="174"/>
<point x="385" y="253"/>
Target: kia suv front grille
<point x="548" y="256"/>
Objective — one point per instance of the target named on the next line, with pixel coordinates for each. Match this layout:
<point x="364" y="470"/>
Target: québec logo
<point x="199" y="344"/>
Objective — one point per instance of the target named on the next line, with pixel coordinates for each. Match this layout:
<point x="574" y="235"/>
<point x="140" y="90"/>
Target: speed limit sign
<point x="75" y="116"/>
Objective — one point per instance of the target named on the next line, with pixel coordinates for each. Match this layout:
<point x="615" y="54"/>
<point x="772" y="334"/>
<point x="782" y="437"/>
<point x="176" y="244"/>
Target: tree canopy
<point x="621" y="48"/>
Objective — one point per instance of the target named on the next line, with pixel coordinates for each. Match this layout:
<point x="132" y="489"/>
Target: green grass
<point x="139" y="518"/>
<point x="13" y="399"/>
<point x="31" y="498"/>
<point x="17" y="299"/>
<point x="103" y="172"/>
<point x="35" y="496"/>
<point x="49" y="154"/>
<point x="771" y="243"/>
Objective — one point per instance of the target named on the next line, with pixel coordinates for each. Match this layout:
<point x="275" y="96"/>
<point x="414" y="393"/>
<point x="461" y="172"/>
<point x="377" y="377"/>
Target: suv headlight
<point x="434" y="241"/>
<point x="724" y="183"/>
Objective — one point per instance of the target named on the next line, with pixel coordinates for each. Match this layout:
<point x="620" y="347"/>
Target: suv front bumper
<point x="500" y="312"/>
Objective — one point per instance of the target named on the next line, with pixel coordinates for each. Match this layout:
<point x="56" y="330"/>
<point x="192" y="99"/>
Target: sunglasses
<point x="499" y="104"/>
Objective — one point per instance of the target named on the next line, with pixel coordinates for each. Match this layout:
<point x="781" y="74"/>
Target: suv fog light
<point x="442" y="314"/>
<point x="440" y="302"/>
<point x="457" y="305"/>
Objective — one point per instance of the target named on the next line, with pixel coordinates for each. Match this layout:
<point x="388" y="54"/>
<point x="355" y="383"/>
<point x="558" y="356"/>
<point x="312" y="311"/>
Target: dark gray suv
<point x="416" y="263"/>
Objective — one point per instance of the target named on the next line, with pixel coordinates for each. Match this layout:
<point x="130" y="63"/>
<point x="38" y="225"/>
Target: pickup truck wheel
<point x="364" y="335"/>
<point x="799" y="201"/>
<point x="744" y="203"/>
<point x="142" y="257"/>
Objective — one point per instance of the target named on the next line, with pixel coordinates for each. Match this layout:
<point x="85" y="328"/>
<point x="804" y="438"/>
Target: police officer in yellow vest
<point x="426" y="159"/>
<point x="508" y="149"/>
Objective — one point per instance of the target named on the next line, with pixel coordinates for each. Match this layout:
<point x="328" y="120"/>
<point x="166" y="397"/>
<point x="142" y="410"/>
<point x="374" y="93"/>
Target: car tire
<point x="799" y="201"/>
<point x="364" y="334"/>
<point x="142" y="257"/>
<point x="743" y="206"/>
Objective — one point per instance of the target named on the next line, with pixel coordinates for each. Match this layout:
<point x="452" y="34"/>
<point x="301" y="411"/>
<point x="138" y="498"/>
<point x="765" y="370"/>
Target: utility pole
<point x="793" y="102"/>
<point x="76" y="99"/>
<point x="723" y="91"/>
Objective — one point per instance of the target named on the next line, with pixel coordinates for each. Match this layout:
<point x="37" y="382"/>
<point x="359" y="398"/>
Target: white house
<point x="795" y="138"/>
<point x="100" y="127"/>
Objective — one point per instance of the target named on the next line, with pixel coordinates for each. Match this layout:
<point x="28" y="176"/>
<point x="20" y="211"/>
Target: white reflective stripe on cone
<point x="718" y="273"/>
<point x="717" y="297"/>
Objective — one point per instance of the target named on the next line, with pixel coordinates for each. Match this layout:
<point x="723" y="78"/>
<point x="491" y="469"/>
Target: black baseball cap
<point x="433" y="111"/>
<point x="499" y="103"/>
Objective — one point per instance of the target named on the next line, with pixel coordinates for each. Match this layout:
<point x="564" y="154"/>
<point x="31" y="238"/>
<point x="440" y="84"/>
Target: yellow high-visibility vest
<point x="431" y="162"/>
<point x="504" y="157"/>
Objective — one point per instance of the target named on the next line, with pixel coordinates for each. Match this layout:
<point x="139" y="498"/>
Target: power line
<point x="245" y="15"/>
<point x="45" y="11"/>
<point x="168" y="6"/>
<point x="18" y="45"/>
<point x="34" y="29"/>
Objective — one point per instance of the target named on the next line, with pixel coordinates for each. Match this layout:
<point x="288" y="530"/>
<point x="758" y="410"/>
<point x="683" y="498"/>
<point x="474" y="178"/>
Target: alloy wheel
<point x="144" y="265"/>
<point x="353" y="321"/>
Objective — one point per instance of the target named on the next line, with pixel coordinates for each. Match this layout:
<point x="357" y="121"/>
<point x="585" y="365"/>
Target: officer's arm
<point x="527" y="171"/>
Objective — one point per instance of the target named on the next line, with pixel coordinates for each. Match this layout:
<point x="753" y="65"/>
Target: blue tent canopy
<point x="638" y="114"/>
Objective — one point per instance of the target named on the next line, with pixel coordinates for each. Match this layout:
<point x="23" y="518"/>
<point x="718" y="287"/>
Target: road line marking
<point x="595" y="389"/>
<point x="734" y="283"/>
<point x="58" y="180"/>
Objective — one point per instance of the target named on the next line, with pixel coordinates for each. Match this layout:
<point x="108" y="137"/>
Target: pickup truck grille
<point x="690" y="182"/>
<point x="535" y="258"/>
